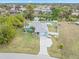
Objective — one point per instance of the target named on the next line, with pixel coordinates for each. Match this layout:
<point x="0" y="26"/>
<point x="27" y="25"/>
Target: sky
<point x="39" y="1"/>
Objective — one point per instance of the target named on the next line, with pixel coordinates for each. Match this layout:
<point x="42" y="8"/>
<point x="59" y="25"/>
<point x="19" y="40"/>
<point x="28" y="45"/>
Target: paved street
<point x="22" y="56"/>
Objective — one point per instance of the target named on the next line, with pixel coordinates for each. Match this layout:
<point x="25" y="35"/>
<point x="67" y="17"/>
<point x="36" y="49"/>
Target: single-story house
<point x="40" y="27"/>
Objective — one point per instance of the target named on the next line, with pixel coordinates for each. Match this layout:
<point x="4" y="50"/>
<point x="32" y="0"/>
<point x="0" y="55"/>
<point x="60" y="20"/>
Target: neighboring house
<point x="75" y="12"/>
<point x="45" y="9"/>
<point x="22" y="9"/>
<point x="17" y="9"/>
<point x="3" y="11"/>
<point x="13" y="10"/>
<point x="37" y="10"/>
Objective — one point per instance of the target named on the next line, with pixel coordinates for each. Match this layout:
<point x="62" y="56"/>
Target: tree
<point x="65" y="13"/>
<point x="30" y="11"/>
<point x="55" y="13"/>
<point x="8" y="27"/>
<point x="21" y="19"/>
<point x="6" y="34"/>
<point x="17" y="20"/>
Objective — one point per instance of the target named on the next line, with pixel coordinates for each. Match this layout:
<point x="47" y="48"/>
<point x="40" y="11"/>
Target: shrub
<point x="6" y="34"/>
<point x="61" y="46"/>
<point x="31" y="29"/>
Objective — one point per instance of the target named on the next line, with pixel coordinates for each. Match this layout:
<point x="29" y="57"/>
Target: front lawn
<point x="69" y="38"/>
<point x="24" y="42"/>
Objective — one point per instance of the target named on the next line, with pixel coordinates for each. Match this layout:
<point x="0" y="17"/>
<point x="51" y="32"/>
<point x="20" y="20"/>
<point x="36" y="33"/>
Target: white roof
<point x="43" y="9"/>
<point x="40" y="27"/>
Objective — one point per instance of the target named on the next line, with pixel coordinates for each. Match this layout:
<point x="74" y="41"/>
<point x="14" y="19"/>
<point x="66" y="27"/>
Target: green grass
<point x="54" y="51"/>
<point x="24" y="42"/>
<point x="52" y="28"/>
<point x="69" y="36"/>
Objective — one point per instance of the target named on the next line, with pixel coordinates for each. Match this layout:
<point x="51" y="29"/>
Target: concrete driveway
<point x="44" y="44"/>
